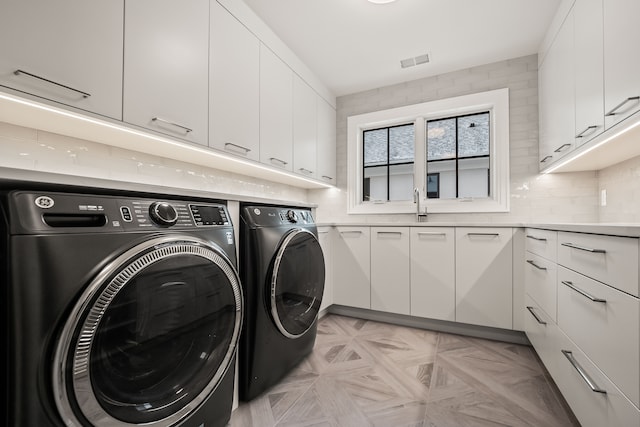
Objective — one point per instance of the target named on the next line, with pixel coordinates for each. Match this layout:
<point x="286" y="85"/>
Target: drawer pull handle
<point x="327" y="177"/>
<point x="277" y="160"/>
<point x="584" y="132"/>
<point x="583" y="293"/>
<point x="583" y="248"/>
<point x="390" y="232"/>
<point x="323" y="232"/>
<point x="229" y="144"/>
<point x="536" y="265"/>
<point x="562" y="147"/>
<point x="546" y="158"/>
<point x="305" y="171"/>
<point x="431" y="233"/>
<point x="351" y="232"/>
<point x="167" y="122"/>
<point x="84" y="94"/>
<point x="483" y="234"/>
<point x="535" y="316"/>
<point x="539" y="239"/>
<point x="613" y="112"/>
<point x="594" y="387"/>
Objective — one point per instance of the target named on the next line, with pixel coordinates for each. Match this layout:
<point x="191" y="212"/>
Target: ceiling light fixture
<point x="381" y="1"/>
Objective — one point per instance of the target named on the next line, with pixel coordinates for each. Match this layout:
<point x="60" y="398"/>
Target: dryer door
<point x="151" y="337"/>
<point x="297" y="283"/>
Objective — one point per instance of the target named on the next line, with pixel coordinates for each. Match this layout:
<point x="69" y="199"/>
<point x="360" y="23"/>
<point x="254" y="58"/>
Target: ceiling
<point x="354" y="45"/>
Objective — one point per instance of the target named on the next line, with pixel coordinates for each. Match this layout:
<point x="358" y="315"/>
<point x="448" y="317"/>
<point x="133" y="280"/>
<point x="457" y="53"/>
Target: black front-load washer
<point x="282" y="272"/>
<point x="120" y="310"/>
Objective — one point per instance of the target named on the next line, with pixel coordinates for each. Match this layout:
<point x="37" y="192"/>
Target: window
<point x="388" y="163"/>
<point x="452" y="150"/>
<point x="458" y="152"/>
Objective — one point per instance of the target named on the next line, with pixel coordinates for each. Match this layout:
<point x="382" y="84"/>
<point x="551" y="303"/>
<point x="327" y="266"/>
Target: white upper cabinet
<point x="621" y="59"/>
<point x="305" y="123"/>
<point x="326" y="142"/>
<point x="276" y="113"/>
<point x="166" y="67"/>
<point x="589" y="68"/>
<point x="67" y="51"/>
<point x="557" y="99"/>
<point x="234" y="86"/>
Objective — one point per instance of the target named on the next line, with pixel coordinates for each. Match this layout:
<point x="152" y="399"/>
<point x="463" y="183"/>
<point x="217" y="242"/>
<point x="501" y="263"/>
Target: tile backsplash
<point x="535" y="198"/>
<point x="32" y="149"/>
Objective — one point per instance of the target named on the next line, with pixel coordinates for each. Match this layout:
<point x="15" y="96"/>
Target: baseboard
<point x="497" y="334"/>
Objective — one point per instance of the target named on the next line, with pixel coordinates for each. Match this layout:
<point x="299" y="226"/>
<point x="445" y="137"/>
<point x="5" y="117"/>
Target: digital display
<point x="208" y="215"/>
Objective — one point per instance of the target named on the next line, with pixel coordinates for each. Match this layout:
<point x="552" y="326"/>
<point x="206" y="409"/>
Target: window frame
<point x="495" y="101"/>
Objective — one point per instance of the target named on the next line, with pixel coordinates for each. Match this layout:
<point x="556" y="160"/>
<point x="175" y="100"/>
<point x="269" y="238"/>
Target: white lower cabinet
<point x="594" y="399"/>
<point x="433" y="275"/>
<point x="592" y="347"/>
<point x="390" y="265"/>
<point x="325" y="237"/>
<point x="352" y="267"/>
<point x="484" y="290"/>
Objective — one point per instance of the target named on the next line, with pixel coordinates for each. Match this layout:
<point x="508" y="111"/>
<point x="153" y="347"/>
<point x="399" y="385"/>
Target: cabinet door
<point x="352" y="274"/>
<point x="557" y="107"/>
<point x="234" y="86"/>
<point x="433" y="276"/>
<point x="276" y="112"/>
<point x="621" y="60"/>
<point x="326" y="142"/>
<point x="484" y="288"/>
<point x="589" y="69"/>
<point x="305" y="124"/>
<point x="166" y="67"/>
<point x="64" y="51"/>
<point x="390" y="267"/>
<point x="325" y="239"/>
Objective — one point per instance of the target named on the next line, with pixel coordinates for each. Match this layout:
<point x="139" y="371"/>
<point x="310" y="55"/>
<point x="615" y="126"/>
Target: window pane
<point x="473" y="177"/>
<point x="375" y="147"/>
<point x="401" y="182"/>
<point x="375" y="183"/>
<point x="401" y="144"/>
<point x="441" y="139"/>
<point x="473" y="135"/>
<point x="447" y="178"/>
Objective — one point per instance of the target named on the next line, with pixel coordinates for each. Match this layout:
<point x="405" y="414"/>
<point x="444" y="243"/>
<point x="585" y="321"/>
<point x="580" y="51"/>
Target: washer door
<point x="297" y="283"/>
<point x="151" y="337"/>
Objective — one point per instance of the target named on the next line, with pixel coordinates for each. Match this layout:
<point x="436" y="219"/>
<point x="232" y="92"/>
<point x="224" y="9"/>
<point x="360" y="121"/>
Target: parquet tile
<point x="366" y="373"/>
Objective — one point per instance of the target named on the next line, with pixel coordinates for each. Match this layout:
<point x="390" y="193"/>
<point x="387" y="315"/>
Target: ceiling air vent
<point x="410" y="62"/>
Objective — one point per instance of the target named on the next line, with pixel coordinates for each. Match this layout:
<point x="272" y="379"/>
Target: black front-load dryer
<point x="282" y="272"/>
<point x="120" y="311"/>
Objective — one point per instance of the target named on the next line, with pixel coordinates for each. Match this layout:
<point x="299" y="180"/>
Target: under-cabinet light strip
<point x="130" y="131"/>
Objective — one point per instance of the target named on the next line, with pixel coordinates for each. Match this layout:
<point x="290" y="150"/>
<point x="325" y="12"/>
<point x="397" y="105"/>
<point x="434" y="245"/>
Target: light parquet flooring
<point x="365" y="373"/>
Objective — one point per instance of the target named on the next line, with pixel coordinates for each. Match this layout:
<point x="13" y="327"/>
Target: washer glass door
<point x="155" y="335"/>
<point x="297" y="283"/>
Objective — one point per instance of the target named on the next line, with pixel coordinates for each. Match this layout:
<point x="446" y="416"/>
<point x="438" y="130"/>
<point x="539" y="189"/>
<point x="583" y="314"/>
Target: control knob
<point x="291" y="216"/>
<point x="163" y="214"/>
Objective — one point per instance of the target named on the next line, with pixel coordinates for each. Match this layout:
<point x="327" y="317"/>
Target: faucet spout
<point x="420" y="216"/>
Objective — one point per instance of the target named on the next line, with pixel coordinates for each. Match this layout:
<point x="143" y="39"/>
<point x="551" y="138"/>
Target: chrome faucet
<point x="420" y="216"/>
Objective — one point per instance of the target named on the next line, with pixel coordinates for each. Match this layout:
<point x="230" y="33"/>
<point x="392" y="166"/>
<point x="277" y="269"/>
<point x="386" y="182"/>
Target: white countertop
<point x="624" y="230"/>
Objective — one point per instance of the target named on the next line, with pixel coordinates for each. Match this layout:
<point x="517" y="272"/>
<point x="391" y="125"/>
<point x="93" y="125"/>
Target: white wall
<point x="534" y="198"/>
<point x="32" y="149"/>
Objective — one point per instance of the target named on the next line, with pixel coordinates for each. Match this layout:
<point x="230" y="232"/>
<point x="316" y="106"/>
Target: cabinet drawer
<point x="592" y="408"/>
<point x="540" y="281"/>
<point x="543" y="334"/>
<point x="606" y="329"/>
<point x="542" y="242"/>
<point x="608" y="259"/>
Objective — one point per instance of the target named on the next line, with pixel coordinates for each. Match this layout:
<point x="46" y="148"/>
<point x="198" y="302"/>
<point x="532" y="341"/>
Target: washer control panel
<point x="55" y="212"/>
<point x="276" y="216"/>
